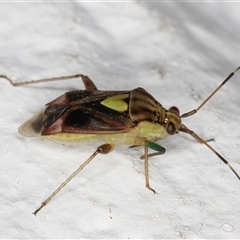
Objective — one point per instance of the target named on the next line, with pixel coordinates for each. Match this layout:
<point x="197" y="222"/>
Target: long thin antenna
<point x="183" y="128"/>
<point x="190" y="113"/>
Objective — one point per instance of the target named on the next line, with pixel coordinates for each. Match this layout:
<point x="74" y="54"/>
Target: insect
<point x="127" y="117"/>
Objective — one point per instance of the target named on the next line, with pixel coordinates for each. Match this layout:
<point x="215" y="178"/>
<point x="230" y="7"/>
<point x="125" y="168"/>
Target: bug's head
<point x="172" y="120"/>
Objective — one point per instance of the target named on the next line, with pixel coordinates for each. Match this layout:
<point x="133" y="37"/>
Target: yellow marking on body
<point x="116" y="102"/>
<point x="145" y="129"/>
<point x="151" y="130"/>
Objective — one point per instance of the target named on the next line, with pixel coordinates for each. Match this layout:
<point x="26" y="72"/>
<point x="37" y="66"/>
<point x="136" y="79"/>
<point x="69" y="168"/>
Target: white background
<point x="179" y="52"/>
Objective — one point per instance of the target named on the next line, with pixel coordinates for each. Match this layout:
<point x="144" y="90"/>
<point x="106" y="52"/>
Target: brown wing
<point x="79" y="112"/>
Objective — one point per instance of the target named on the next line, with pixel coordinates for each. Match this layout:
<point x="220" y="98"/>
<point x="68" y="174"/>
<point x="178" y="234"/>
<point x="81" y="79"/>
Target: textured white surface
<point x="179" y="52"/>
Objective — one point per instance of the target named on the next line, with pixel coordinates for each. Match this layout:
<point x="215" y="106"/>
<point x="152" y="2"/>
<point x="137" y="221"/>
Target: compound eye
<point x="174" y="109"/>
<point x="171" y="129"/>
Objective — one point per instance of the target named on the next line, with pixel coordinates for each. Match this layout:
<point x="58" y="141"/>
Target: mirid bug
<point x="126" y="117"/>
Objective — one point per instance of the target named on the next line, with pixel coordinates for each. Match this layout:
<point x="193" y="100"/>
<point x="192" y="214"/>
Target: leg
<point x="103" y="149"/>
<point x="154" y="146"/>
<point x="160" y="150"/>
<point x="88" y="83"/>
